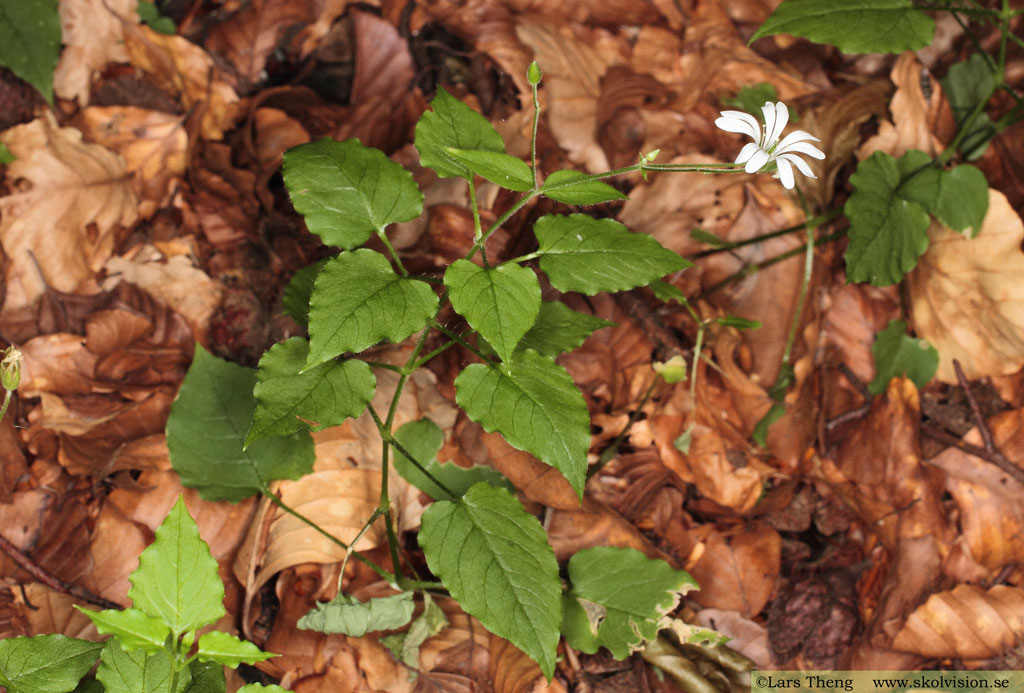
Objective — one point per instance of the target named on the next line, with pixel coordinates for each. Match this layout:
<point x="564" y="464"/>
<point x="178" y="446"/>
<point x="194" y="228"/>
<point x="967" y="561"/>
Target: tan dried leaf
<point x="967" y="622"/>
<point x="93" y="36"/>
<point x="738" y="572"/>
<point x="71" y="199"/>
<point x="968" y="295"/>
<point x="247" y="38"/>
<point x="47" y="611"/>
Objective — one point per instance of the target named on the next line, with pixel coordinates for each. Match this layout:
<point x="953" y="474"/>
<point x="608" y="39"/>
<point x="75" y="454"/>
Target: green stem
<point x="802" y="296"/>
<point x="391" y="250"/>
<point x="439" y="350"/>
<point x="533" y="137"/>
<point x="458" y="338"/>
<point x="7" y="401"/>
<point x="816" y="221"/>
<point x="348" y="551"/>
<point x="393" y="442"/>
<point x="385" y="366"/>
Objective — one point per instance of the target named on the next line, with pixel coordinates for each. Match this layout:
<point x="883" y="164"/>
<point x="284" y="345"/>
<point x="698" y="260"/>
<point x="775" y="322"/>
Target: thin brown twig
<point x="955" y="442"/>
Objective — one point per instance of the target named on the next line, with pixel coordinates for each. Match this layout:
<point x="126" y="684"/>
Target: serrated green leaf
<point x="30" y="41"/>
<point x="501" y="303"/>
<point x="580" y="253"/>
<point x="260" y="688"/>
<point x="559" y="328"/>
<point x="422" y="438"/>
<point x="535" y="406"/>
<point x="898" y="354"/>
<point x="406" y="646"/>
<point x="451" y="123"/>
<point x="575" y="188"/>
<point x="207" y="677"/>
<point x="495" y="560"/>
<point x="887" y="232"/>
<point x="965" y="85"/>
<point x="853" y="26"/>
<point x="207" y="427"/>
<point x="359" y="301"/>
<point x="347" y="191"/>
<point x="177" y="577"/>
<point x="289" y="399"/>
<point x="226" y="649"/>
<point x="45" y="663"/>
<point x="346" y="614"/>
<point x="6" y="156"/>
<point x="498" y="167"/>
<point x="958" y="198"/>
<point x="625" y="597"/>
<point x="299" y="290"/>
<point x="138" y="671"/>
<point x="136" y="629"/>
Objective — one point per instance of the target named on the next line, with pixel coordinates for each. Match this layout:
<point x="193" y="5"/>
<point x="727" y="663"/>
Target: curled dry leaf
<point x="93" y="36"/>
<point x="70" y="201"/>
<point x="967" y="622"/>
<point x="968" y="295"/>
<point x="514" y="672"/>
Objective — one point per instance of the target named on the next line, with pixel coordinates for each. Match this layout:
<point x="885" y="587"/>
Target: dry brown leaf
<point x="967" y="622"/>
<point x="44" y="610"/>
<point x="968" y="295"/>
<point x="183" y="68"/>
<point x="737" y="572"/>
<point x="93" y="36"/>
<point x="748" y="637"/>
<point x="154" y="147"/>
<point x="70" y="200"/>
<point x="594" y="524"/>
<point x="512" y="671"/>
<point x="116" y="545"/>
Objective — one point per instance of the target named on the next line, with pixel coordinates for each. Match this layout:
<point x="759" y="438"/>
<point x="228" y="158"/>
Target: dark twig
<point x="54" y="583"/>
<point x="955" y="442"/>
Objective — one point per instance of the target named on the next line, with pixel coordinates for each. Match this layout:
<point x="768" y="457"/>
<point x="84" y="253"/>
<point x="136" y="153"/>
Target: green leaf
<point x="207" y="427"/>
<point x="45" y="663"/>
<point x="299" y="290"/>
<point x="6" y="156"/>
<point x="347" y="191"/>
<point x="738" y="322"/>
<point x="452" y="123"/>
<point x="151" y="17"/>
<point x="966" y="85"/>
<point x="580" y="253"/>
<point x="94" y="686"/>
<point x="346" y="614"/>
<point x="406" y="646"/>
<point x="887" y="232"/>
<point x="898" y="354"/>
<point x="666" y="292"/>
<point x="760" y="433"/>
<point x="625" y="597"/>
<point x="207" y="677"/>
<point x="536" y="407"/>
<point x="177" y="577"/>
<point x="136" y="629"/>
<point x="575" y="188"/>
<point x="504" y="169"/>
<point x="359" y="301"/>
<point x="501" y="303"/>
<point x="137" y="671"/>
<point x="559" y="328"/>
<point x="260" y="688"/>
<point x="958" y="198"/>
<point x="853" y="26"/>
<point x="423" y="439"/>
<point x="495" y="560"/>
<point x="220" y="647"/>
<point x="289" y="399"/>
<point x="30" y="41"/>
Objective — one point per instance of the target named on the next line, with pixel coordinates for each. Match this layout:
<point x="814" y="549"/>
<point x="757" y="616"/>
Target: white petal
<point x="800" y="164"/>
<point x="775" y="118"/>
<point x="748" y="151"/>
<point x="785" y="173"/>
<point x="797" y="136"/>
<point x="757" y="160"/>
<point x="738" y="121"/>
<point x="802" y="148"/>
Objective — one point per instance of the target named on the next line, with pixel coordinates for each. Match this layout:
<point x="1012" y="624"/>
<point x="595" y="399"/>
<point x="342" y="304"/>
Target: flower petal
<point x="776" y="116"/>
<point x="748" y="151"/>
<point x="757" y="160"/>
<point x="803" y="148"/>
<point x="738" y="121"/>
<point x="785" y="173"/>
<point x="800" y="164"/>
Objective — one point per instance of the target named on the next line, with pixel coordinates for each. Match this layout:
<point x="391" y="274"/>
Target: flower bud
<point x="673" y="370"/>
<point x="10" y="368"/>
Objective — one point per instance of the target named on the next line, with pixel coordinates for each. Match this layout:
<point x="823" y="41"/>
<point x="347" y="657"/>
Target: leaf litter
<point x="149" y="215"/>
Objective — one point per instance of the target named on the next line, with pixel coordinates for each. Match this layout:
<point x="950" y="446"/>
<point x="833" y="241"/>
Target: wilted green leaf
<point x="422" y="438"/>
<point x="535" y="406"/>
<point x="289" y="399"/>
<point x="574" y="188"/>
<point x="853" y="26"/>
<point x="406" y="646"/>
<point x="45" y="663"/>
<point x="898" y="354"/>
<point x="559" y="328"/>
<point x="497" y="167"/>
<point x="494" y="558"/>
<point x="623" y="596"/>
<point x="451" y="123"/>
<point x="347" y="191"/>
<point x="580" y="253"/>
<point x="346" y="614"/>
<point x="359" y="301"/>
<point x="136" y="629"/>
<point x="207" y="427"/>
<point x="501" y="303"/>
<point x="228" y="650"/>
<point x="30" y="41"/>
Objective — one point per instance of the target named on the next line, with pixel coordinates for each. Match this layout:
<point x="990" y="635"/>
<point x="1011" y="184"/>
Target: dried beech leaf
<point x="247" y="38"/>
<point x="93" y="35"/>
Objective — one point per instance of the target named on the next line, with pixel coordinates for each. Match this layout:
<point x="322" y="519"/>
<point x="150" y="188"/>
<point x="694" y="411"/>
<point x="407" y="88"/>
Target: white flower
<point x="766" y="147"/>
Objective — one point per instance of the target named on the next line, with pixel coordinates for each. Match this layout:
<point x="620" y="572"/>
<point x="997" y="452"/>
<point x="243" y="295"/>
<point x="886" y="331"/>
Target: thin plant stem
<point x="391" y="251"/>
<point x="385" y="366"/>
<point x="458" y="338"/>
<point x="828" y="216"/>
<point x="412" y="458"/>
<point x="436" y="352"/>
<point x="348" y="551"/>
<point x="7" y="401"/>
<point x="533" y="136"/>
<point x="802" y="296"/>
